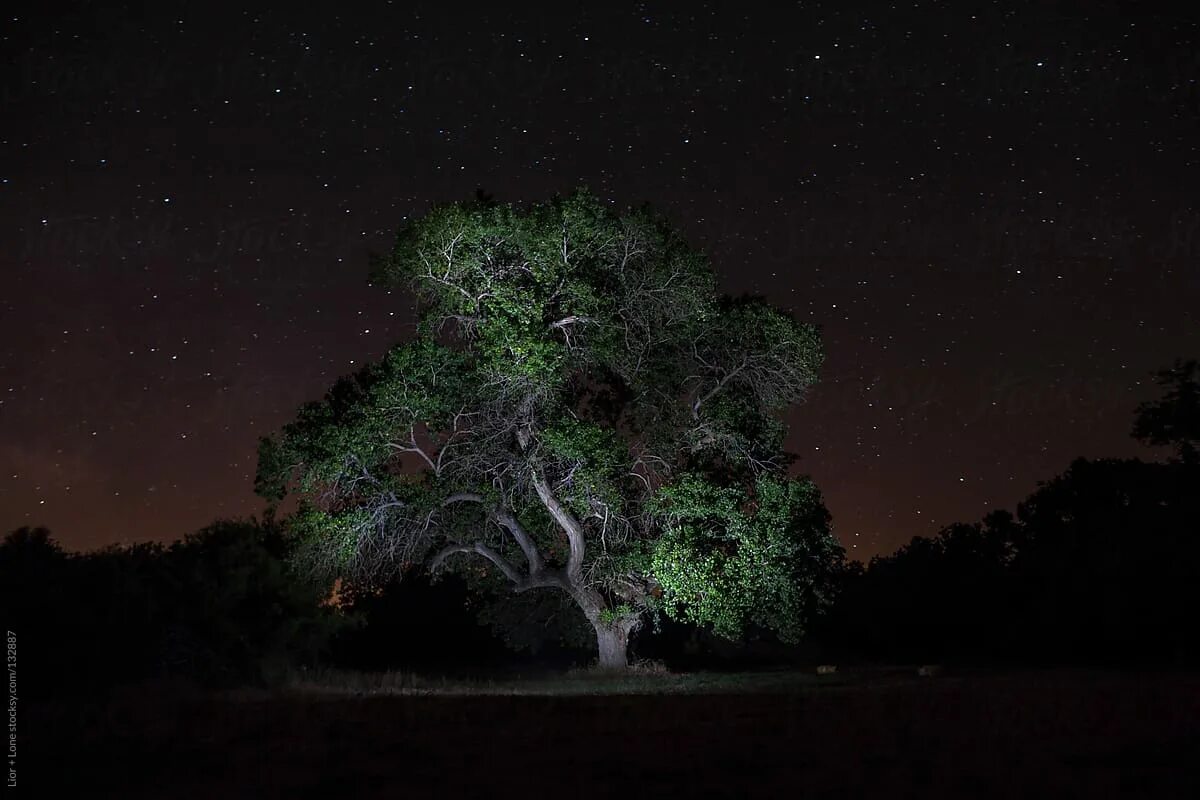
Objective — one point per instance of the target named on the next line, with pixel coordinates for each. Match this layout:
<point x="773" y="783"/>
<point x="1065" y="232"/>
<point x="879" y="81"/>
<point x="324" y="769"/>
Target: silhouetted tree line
<point x="220" y="607"/>
<point x="1099" y="565"/>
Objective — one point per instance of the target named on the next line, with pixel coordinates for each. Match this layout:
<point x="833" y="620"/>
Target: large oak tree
<point x="580" y="411"/>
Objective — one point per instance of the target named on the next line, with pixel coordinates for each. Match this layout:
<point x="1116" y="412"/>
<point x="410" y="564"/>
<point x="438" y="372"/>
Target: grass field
<point x="872" y="733"/>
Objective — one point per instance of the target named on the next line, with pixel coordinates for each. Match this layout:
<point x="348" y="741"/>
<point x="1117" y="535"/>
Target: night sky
<point x="990" y="210"/>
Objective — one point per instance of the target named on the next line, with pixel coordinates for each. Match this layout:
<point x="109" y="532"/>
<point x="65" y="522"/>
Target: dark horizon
<point x="989" y="213"/>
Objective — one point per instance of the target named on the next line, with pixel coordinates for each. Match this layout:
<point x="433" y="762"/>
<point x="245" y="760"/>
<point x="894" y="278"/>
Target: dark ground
<point x="1046" y="734"/>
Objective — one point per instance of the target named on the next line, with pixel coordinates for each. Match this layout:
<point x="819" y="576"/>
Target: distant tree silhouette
<point x="1107" y="563"/>
<point x="239" y="609"/>
<point x="1100" y="564"/>
<point x="39" y="595"/>
<point x="27" y="556"/>
<point x="220" y="607"/>
<point x="933" y="598"/>
<point x="1174" y="419"/>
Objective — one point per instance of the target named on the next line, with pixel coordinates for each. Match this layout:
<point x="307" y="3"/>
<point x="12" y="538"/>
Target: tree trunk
<point x="613" y="644"/>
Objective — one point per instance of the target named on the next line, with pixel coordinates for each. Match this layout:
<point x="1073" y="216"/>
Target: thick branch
<point x="509" y="521"/>
<point x="566" y="520"/>
<point x="482" y="549"/>
<point x="571" y="320"/>
<point x="542" y="579"/>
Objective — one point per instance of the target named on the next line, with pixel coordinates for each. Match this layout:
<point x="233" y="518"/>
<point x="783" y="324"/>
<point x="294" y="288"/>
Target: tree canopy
<point x="1174" y="418"/>
<point x="1099" y="564"/>
<point x="221" y="607"/>
<point x="581" y="410"/>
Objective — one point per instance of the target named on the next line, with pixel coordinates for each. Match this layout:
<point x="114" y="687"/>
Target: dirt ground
<point x="1053" y="734"/>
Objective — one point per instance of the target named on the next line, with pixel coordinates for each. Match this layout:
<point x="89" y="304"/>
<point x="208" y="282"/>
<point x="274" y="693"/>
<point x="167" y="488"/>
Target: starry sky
<point x="989" y="208"/>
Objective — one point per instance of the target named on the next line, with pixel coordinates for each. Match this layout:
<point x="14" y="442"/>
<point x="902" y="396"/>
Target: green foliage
<point x="617" y="613"/>
<point x="505" y="276"/>
<point x="761" y="337"/>
<point x="731" y="558"/>
<point x="569" y="359"/>
<point x="325" y="541"/>
<point x="352" y="429"/>
<point x="595" y="456"/>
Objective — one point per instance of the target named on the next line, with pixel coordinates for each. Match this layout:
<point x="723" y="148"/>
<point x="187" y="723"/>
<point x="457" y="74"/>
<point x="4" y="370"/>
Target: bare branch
<point x="571" y="320"/>
<point x="524" y="541"/>
<point x="726" y="378"/>
<point x="479" y="548"/>
<point x="567" y="521"/>
<point x="462" y="497"/>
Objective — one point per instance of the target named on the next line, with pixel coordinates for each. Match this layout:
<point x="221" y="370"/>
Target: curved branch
<point x="508" y="520"/>
<point x="542" y="579"/>
<point x="566" y="520"/>
<point x="413" y="447"/>
<point x="479" y="548"/>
